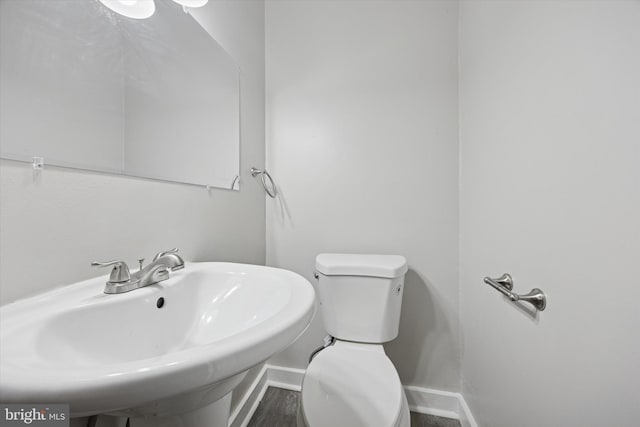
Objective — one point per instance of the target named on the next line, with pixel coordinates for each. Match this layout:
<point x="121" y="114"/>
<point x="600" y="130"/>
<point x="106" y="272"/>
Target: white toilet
<point x="352" y="382"/>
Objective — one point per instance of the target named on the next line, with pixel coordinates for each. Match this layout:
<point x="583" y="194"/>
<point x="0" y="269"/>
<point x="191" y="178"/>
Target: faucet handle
<point x="120" y="272"/>
<point x="163" y="253"/>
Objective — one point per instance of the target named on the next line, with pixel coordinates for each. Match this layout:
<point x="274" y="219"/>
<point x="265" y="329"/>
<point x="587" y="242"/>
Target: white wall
<point x="362" y="142"/>
<point x="550" y="192"/>
<point x="52" y="225"/>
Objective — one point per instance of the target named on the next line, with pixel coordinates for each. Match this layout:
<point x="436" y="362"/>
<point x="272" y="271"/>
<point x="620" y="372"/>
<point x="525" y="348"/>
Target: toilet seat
<point x="352" y="384"/>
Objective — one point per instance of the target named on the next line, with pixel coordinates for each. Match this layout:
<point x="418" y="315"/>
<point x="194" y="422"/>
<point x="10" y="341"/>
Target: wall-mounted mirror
<point x="84" y="87"/>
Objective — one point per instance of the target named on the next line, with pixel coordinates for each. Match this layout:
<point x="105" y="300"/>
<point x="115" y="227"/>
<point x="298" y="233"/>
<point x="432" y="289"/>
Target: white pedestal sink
<point x="167" y="354"/>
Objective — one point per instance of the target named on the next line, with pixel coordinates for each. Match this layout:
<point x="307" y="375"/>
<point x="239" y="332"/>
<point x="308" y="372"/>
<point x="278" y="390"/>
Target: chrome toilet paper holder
<point x="504" y="285"/>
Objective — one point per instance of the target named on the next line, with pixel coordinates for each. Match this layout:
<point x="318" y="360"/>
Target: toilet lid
<point x="350" y="384"/>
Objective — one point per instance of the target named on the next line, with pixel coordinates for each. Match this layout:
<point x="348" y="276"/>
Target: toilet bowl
<point x="352" y="382"/>
<point x="355" y="385"/>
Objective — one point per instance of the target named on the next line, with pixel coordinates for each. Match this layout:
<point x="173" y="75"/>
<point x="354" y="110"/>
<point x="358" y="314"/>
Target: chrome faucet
<point x="121" y="280"/>
<point x="170" y="259"/>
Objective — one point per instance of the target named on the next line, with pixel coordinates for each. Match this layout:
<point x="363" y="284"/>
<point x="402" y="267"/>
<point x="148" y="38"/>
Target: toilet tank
<point x="361" y="295"/>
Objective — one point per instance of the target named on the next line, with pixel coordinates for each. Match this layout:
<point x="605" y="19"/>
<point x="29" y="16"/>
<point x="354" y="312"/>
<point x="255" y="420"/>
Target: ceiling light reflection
<point x="135" y="9"/>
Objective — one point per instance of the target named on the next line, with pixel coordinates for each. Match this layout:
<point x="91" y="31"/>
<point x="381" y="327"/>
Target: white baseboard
<point x="269" y="376"/>
<point x="287" y="378"/>
<point x="440" y="403"/>
<point x="421" y="400"/>
<point x="249" y="403"/>
<point x="466" y="417"/>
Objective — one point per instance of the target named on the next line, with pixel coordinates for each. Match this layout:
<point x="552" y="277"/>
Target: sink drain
<point x="160" y="302"/>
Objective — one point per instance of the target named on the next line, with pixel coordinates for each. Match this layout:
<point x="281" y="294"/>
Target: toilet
<point x="352" y="382"/>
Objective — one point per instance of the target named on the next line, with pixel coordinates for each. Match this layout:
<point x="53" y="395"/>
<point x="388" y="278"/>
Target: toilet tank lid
<point x="389" y="266"/>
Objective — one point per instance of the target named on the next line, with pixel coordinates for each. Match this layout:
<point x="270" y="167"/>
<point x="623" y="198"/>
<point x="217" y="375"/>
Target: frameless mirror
<point x="84" y="87"/>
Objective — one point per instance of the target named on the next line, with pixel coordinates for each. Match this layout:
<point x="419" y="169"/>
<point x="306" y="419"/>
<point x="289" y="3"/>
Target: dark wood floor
<point x="279" y="407"/>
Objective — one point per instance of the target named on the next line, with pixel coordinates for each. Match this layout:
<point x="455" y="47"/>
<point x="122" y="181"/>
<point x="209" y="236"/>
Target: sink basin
<point x="136" y="354"/>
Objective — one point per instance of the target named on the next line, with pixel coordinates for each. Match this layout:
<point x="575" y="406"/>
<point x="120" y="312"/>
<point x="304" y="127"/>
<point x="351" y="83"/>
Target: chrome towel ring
<point x="270" y="188"/>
